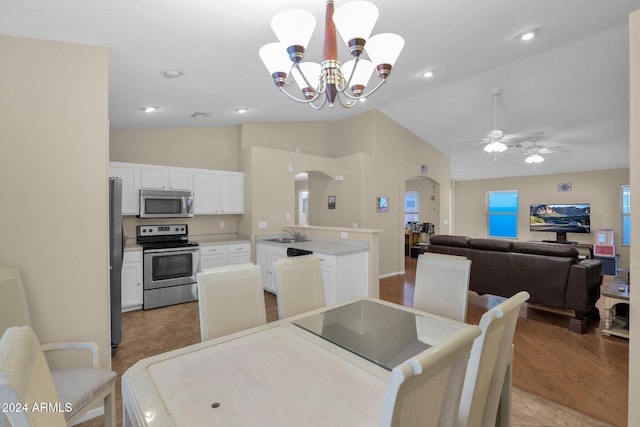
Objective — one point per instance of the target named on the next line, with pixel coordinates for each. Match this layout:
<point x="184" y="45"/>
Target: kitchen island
<point x="344" y="264"/>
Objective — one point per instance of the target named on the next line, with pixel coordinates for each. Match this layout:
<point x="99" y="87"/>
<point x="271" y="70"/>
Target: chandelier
<point x="330" y="82"/>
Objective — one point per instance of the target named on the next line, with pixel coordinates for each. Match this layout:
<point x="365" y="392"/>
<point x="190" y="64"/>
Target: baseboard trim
<point x="384" y="276"/>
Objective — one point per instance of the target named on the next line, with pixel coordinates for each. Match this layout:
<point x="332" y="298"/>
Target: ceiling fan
<point x="497" y="140"/>
<point x="535" y="151"/>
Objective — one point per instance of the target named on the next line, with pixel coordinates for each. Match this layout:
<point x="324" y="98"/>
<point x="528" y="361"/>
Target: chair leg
<point x="110" y="407"/>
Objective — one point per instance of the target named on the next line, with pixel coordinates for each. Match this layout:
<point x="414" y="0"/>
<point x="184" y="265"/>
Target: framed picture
<point x="382" y="204"/>
<point x="332" y="202"/>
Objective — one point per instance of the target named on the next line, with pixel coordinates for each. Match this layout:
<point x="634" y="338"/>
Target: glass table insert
<point x="381" y="333"/>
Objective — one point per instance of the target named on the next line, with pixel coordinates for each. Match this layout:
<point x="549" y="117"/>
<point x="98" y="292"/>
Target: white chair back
<point x="25" y="381"/>
<point x="489" y="363"/>
<point x="300" y="287"/>
<point x="425" y="390"/>
<point x="442" y="285"/>
<point x="13" y="303"/>
<point x="230" y="299"/>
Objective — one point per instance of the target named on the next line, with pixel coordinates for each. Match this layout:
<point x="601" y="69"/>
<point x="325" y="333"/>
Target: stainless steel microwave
<point x="165" y="204"/>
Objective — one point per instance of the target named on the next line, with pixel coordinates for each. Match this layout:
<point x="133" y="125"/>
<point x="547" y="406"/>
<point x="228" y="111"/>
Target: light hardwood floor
<point x="561" y="378"/>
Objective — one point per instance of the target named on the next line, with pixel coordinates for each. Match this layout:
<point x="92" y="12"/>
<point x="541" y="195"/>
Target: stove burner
<point x="163" y="236"/>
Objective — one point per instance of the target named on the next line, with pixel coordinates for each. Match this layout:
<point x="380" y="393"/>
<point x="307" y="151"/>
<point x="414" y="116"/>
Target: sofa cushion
<point x="447" y="240"/>
<point x="491" y="245"/>
<point x="548" y="249"/>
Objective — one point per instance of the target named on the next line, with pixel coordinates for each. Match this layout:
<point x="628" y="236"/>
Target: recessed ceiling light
<point x="148" y="109"/>
<point x="241" y="110"/>
<point x="172" y="74"/>
<point x="427" y="74"/>
<point x="529" y="34"/>
<point x="200" y="115"/>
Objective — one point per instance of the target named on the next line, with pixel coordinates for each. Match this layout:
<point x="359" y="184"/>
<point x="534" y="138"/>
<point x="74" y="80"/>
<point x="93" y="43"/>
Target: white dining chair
<point x="300" y="286"/>
<point x="442" y="285"/>
<point x="230" y="299"/>
<point x="487" y="384"/>
<point x="425" y="390"/>
<point x="32" y="396"/>
<point x="90" y="391"/>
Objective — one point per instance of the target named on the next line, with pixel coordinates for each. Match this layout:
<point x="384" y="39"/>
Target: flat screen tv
<point x="561" y="219"/>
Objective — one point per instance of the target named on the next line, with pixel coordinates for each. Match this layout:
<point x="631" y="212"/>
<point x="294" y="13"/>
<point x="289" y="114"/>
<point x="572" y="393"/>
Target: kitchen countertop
<point x="214" y="239"/>
<point x="321" y="246"/>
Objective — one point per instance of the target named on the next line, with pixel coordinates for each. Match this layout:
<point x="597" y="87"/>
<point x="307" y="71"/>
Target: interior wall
<point x="634" y="172"/>
<point x="399" y="155"/>
<point x="346" y="190"/>
<point x="204" y="148"/>
<point x="599" y="188"/>
<point x="53" y="170"/>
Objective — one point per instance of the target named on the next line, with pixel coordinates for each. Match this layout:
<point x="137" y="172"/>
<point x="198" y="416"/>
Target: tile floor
<point x="530" y="410"/>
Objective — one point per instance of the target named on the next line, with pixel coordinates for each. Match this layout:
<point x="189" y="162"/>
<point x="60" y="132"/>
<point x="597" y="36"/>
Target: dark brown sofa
<point x="550" y="272"/>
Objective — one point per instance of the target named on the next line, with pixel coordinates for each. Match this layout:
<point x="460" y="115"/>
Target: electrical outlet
<point x="262" y="225"/>
<point x="344" y="235"/>
<point x="221" y="224"/>
<point x="287" y="216"/>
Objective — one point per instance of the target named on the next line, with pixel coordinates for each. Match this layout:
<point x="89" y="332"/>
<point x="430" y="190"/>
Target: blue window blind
<point x="626" y="215"/>
<point x="502" y="209"/>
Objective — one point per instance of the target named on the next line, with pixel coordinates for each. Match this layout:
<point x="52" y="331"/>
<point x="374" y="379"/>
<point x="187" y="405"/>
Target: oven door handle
<point x="155" y="251"/>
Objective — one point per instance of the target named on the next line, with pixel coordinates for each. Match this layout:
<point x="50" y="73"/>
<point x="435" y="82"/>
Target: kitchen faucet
<point x="295" y="235"/>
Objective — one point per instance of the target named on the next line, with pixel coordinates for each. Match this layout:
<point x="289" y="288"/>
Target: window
<point x="626" y="214"/>
<point x="502" y="212"/>
<point x="411" y="205"/>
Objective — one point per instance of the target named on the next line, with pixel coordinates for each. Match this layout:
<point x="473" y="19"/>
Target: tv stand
<point x="566" y="242"/>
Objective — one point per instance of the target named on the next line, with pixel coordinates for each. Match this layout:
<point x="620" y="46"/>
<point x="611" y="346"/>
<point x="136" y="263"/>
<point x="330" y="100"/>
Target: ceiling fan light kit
<point x="534" y="159"/>
<point x="330" y="82"/>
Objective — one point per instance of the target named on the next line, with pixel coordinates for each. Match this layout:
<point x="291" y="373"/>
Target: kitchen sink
<point x="284" y="240"/>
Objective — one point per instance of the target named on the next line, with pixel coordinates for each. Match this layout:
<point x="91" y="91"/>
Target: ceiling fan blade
<point x="530" y="135"/>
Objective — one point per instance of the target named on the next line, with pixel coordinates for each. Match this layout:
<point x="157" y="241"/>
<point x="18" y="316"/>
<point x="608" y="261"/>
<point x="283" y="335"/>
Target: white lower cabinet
<point x="344" y="276"/>
<point x="327" y="266"/>
<point x="218" y="255"/>
<point x="238" y="253"/>
<point x="266" y="257"/>
<point x="132" y="280"/>
<point x="212" y="256"/>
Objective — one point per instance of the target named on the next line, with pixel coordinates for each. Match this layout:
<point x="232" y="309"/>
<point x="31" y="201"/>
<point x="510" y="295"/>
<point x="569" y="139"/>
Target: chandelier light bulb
<point x="294" y="28"/>
<point x="355" y="21"/>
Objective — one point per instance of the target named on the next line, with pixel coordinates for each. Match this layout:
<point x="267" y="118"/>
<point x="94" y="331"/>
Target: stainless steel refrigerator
<point x="116" y="252"/>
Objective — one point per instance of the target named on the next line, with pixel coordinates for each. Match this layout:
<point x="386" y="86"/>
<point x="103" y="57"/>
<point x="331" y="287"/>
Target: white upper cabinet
<point x="130" y="175"/>
<point x="214" y="192"/>
<point x="154" y="177"/>
<point x="180" y="179"/>
<point x="206" y="192"/>
<point x="166" y="178"/>
<point x="231" y="192"/>
<point x="218" y="192"/>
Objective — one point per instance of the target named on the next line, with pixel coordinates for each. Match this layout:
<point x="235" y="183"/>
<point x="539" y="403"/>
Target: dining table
<point x="326" y="367"/>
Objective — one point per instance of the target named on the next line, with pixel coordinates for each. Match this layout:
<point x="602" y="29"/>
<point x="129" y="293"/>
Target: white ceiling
<point x="571" y="81"/>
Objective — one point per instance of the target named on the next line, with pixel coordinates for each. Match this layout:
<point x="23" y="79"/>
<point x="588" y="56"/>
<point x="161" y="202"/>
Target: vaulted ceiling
<point x="570" y="82"/>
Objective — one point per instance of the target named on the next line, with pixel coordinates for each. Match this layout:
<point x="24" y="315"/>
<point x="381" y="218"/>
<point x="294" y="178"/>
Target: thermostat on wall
<point x="565" y="186"/>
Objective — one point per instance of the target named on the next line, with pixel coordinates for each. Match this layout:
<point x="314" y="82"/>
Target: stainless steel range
<point x="170" y="264"/>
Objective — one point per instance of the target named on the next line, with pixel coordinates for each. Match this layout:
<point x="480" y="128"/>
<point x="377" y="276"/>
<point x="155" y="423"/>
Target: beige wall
<point x="53" y="180"/>
<point x="634" y="161"/>
<point x="599" y="188"/>
<point x="204" y="148"/>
